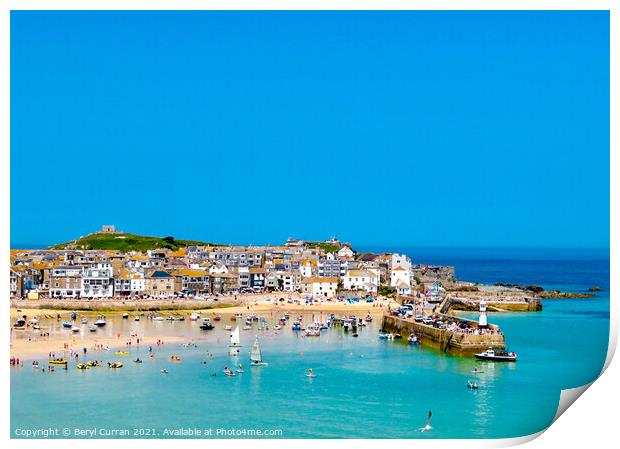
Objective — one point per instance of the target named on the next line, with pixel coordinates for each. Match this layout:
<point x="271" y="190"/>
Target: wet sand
<point x="27" y="343"/>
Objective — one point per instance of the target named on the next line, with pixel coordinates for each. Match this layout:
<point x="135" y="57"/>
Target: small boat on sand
<point x="497" y="355"/>
<point x="100" y="321"/>
<point x="20" y="322"/>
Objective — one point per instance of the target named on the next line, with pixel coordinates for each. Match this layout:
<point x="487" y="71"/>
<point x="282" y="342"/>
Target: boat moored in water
<point x="206" y="324"/>
<point x="57" y="362"/>
<point x="497" y="355"/>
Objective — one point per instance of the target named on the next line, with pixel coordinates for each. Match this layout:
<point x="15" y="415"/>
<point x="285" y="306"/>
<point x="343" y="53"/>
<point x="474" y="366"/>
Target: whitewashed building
<point x="401" y="279"/>
<point x="366" y="280"/>
<point x="345" y="253"/>
<point x="320" y="287"/>
<point x="137" y="284"/>
<point x="98" y="282"/>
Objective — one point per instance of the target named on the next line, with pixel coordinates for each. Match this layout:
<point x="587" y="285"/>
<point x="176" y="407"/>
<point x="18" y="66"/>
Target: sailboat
<point x="235" y="342"/>
<point x="256" y="357"/>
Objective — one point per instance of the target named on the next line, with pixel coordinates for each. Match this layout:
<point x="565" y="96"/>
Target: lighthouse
<point x="482" y="321"/>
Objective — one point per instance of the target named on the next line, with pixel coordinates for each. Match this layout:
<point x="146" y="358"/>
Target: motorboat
<point x="136" y="318"/>
<point x="497" y="355"/>
<point x="100" y="322"/>
<point x="170" y="318"/>
<point x="228" y="327"/>
<point x="21" y="322"/>
<point x="125" y="316"/>
<point x="313" y="331"/>
<point x="277" y="327"/>
<point x="296" y="326"/>
<point x="93" y="363"/>
<point x="115" y="365"/>
<point x="368" y="318"/>
<point x="158" y="318"/>
<point x="67" y="325"/>
<point x="386" y="336"/>
<point x="194" y="316"/>
<point x="84" y="320"/>
<point x="413" y="340"/>
<point x="92" y="328"/>
<point x="75" y="329"/>
<point x="472" y="385"/>
<point x="217" y="318"/>
<point x="206" y="324"/>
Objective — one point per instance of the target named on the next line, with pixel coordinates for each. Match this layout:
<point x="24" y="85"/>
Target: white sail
<point x="255" y="354"/>
<point x="235" y="340"/>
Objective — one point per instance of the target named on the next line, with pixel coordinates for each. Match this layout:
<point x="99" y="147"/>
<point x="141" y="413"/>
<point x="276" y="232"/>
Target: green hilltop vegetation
<point x="325" y="246"/>
<point x="123" y="242"/>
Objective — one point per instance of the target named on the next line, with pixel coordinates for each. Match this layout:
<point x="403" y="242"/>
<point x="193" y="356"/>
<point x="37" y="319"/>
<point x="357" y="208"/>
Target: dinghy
<point x="256" y="357"/>
<point x="235" y="342"/>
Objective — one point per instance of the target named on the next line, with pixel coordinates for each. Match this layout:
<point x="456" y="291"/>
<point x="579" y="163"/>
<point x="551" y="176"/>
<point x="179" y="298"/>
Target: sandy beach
<point x="28" y="343"/>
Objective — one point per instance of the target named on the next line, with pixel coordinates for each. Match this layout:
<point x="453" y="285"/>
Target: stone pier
<point x="445" y="339"/>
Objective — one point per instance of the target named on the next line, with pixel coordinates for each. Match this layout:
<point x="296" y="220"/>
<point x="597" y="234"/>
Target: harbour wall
<point x="444" y="339"/>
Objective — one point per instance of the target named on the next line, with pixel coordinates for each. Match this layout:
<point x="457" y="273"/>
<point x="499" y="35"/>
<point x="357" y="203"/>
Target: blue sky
<point x="389" y="128"/>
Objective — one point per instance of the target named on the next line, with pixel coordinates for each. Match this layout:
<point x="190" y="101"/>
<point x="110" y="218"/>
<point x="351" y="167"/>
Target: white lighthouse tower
<point x="482" y="321"/>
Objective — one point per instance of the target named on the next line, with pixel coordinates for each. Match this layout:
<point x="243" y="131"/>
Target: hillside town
<point x="316" y="270"/>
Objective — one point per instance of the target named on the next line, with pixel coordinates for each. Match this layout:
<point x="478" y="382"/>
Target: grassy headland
<point x="124" y="242"/>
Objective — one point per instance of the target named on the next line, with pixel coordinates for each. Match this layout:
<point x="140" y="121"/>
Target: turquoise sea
<point x="364" y="387"/>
